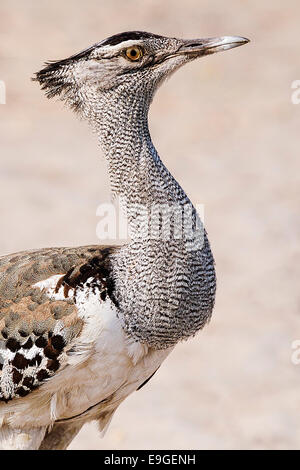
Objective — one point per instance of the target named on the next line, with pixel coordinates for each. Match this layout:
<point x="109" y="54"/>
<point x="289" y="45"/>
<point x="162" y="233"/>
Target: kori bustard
<point x="82" y="328"/>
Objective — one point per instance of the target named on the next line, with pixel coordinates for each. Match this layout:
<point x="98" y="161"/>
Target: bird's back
<point x="36" y="331"/>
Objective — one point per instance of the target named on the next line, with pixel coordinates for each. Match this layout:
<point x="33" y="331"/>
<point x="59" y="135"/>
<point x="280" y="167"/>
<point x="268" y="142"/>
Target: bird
<point x="81" y="328"/>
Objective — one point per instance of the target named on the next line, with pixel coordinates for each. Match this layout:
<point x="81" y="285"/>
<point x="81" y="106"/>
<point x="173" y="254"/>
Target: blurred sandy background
<point x="226" y="128"/>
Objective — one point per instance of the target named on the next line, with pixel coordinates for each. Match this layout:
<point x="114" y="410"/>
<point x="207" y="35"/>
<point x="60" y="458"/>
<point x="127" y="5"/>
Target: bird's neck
<point x="163" y="278"/>
<point x="136" y="172"/>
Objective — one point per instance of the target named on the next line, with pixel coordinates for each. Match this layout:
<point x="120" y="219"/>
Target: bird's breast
<point x="164" y="292"/>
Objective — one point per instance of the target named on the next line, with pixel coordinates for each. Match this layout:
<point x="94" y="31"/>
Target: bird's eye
<point x="134" y="53"/>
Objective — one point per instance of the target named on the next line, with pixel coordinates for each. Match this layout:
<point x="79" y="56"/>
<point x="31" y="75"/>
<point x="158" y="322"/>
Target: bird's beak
<point x="200" y="47"/>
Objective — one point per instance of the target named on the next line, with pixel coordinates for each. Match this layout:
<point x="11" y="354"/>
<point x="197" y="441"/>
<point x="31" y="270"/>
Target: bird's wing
<point x="36" y="332"/>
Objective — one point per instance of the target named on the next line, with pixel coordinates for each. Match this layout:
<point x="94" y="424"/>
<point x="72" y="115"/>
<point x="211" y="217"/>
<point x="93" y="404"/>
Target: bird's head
<point x="131" y="63"/>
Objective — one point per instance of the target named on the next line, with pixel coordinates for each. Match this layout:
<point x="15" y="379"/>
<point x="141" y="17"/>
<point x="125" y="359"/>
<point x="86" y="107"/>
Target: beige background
<point x="226" y="128"/>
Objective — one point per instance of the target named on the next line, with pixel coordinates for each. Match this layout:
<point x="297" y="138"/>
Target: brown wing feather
<point x="35" y="331"/>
